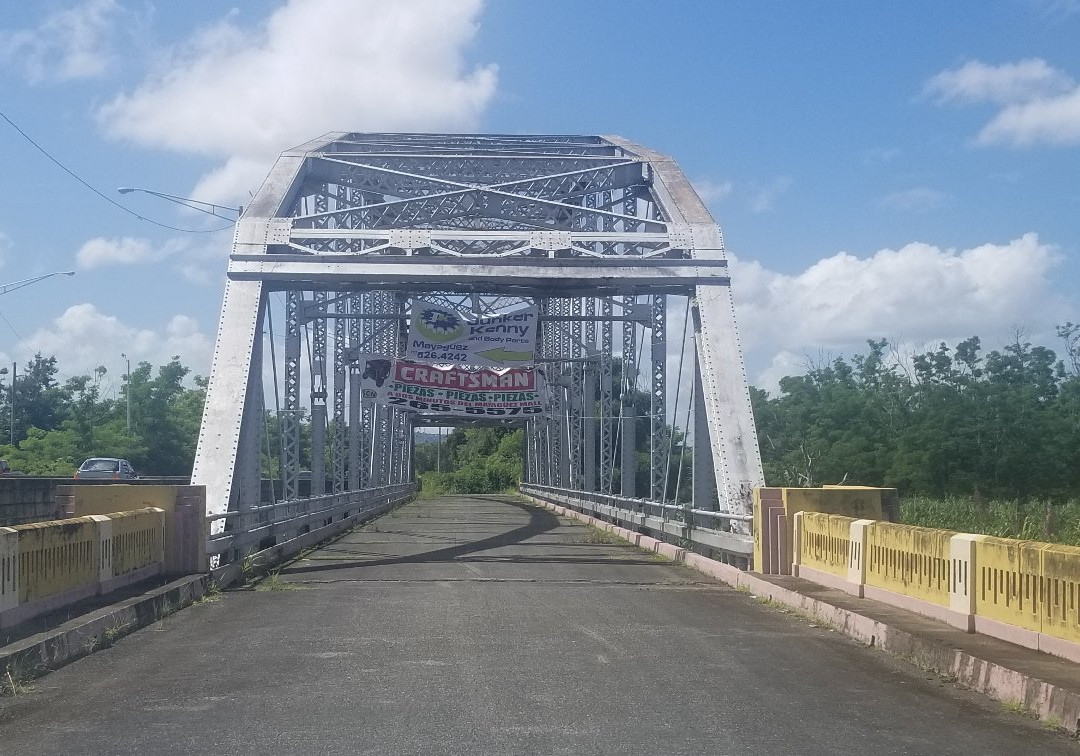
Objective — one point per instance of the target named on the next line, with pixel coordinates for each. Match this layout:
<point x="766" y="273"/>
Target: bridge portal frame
<point x="583" y="224"/>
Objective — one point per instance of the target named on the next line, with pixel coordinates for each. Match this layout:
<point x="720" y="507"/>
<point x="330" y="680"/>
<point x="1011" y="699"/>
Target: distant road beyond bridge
<point x="481" y="625"/>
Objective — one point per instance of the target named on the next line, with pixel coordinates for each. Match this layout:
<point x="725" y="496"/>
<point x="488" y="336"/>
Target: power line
<point x="17" y="334"/>
<point x="96" y="191"/>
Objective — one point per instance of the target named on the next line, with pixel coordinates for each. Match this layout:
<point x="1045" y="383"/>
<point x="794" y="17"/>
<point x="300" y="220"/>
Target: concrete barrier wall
<point x="824" y="542"/>
<point x="137" y="540"/>
<point x="1060" y="572"/>
<point x="775" y="509"/>
<point x="24" y="500"/>
<point x="1021" y="591"/>
<point x="1029" y="593"/>
<point x="56" y="557"/>
<point x="9" y="569"/>
<point x="185" y="516"/>
<point x="909" y="561"/>
<point x="46" y="565"/>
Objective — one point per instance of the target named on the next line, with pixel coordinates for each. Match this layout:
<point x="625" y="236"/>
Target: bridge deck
<point x="481" y="625"/>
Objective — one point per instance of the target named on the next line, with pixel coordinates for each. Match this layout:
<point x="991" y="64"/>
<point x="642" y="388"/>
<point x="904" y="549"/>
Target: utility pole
<point x="4" y="289"/>
<point x="14" y="367"/>
<point x="127" y="390"/>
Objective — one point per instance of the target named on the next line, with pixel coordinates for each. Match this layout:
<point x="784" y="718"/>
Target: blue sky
<point x="893" y="169"/>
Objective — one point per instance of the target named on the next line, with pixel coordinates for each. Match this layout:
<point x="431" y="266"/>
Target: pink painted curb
<point x="648" y="543"/>
<point x="626" y="535"/>
<point x="672" y="552"/>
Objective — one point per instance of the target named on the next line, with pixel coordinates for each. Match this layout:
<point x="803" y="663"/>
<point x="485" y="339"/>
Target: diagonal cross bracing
<point x="597" y="231"/>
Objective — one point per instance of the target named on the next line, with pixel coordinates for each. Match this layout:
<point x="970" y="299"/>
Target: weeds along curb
<point x="39" y="654"/>
<point x="1053" y="704"/>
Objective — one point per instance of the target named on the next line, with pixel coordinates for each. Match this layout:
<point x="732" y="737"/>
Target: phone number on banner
<point x="416" y="404"/>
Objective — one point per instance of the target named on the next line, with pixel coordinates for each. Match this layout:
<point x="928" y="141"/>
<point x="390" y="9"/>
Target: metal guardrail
<point x="288" y="519"/>
<point x="682" y="522"/>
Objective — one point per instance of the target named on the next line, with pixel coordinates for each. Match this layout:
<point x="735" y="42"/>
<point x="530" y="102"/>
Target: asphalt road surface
<point x="480" y="625"/>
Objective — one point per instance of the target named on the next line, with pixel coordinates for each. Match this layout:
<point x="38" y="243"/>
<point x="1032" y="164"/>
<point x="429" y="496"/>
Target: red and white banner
<point x="451" y="390"/>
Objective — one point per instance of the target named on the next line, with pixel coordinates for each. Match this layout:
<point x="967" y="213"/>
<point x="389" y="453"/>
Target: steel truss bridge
<point x="607" y="238"/>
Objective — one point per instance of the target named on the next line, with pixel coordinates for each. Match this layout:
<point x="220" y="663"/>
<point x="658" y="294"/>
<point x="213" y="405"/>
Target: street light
<point x="127" y="390"/>
<point x="188" y="202"/>
<point x="5" y="288"/>
<point x="3" y="371"/>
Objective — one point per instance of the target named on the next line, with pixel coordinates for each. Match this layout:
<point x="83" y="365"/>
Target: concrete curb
<point x="39" y="654"/>
<point x="42" y="653"/>
<point x="1050" y="703"/>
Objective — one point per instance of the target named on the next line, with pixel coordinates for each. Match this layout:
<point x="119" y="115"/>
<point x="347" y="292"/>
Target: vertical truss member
<point x="498" y="219"/>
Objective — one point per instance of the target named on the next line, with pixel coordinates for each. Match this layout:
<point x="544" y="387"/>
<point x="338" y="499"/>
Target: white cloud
<point x="199" y="259"/>
<point x="783" y="364"/>
<point x="313" y="66"/>
<point x="70" y="44"/>
<point x="1038" y="104"/>
<point x="100" y="251"/>
<point x="1007" y="83"/>
<point x="234" y="181"/>
<point x="1053" y="120"/>
<point x="83" y="337"/>
<point x="713" y="191"/>
<point x="919" y="292"/>
<point x="917" y="199"/>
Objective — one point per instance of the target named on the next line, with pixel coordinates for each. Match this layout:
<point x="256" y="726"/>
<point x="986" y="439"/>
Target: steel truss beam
<point x="350" y="226"/>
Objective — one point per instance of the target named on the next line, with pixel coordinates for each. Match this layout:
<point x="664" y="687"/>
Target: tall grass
<point x="1036" y="520"/>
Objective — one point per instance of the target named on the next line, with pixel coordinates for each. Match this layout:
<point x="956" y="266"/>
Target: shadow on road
<point x="540" y="521"/>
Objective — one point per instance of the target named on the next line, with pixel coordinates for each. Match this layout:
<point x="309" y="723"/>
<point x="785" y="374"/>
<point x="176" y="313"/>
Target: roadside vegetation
<point x="471" y="461"/>
<point x="974" y="440"/>
<point x="982" y="442"/>
<point x="56" y="425"/>
<point x="1036" y="519"/>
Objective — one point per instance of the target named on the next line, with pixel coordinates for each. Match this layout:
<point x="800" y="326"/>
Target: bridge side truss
<point x="608" y="240"/>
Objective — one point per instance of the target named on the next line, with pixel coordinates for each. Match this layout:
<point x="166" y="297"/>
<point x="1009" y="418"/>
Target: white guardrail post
<point x="105" y="544"/>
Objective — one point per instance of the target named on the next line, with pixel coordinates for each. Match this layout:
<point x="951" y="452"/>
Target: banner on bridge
<point x="444" y="335"/>
<point x="451" y="390"/>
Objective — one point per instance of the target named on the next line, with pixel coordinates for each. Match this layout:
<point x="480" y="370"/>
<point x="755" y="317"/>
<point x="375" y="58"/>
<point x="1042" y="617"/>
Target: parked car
<point x="106" y="467"/>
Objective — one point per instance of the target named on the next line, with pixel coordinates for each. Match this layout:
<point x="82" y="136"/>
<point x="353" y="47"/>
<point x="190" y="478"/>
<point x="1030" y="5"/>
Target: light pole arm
<point x="5" y="288"/>
<point x="187" y="202"/>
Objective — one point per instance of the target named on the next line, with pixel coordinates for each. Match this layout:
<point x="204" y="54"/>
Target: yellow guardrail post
<point x="1059" y="600"/>
<point x="58" y="559"/>
<point x="908" y="566"/>
<point x="1024" y="592"/>
<point x="9" y="569"/>
<point x="823" y="549"/>
<point x="1007" y="589"/>
<point x="138" y="545"/>
<point x="798" y="533"/>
